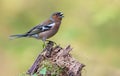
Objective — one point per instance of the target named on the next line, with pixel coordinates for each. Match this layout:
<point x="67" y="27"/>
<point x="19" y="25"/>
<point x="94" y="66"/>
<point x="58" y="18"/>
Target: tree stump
<point x="57" y="56"/>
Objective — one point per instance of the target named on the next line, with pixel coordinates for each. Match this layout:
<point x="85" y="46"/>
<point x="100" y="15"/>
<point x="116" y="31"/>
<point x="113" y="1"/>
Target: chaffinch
<point x="44" y="30"/>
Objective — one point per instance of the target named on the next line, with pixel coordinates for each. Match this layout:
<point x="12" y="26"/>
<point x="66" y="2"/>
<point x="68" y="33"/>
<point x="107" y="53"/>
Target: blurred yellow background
<point x="92" y="27"/>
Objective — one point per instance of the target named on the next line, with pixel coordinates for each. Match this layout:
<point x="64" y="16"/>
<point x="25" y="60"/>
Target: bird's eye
<point x="57" y="14"/>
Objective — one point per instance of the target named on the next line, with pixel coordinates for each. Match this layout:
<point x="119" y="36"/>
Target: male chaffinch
<point x="44" y="30"/>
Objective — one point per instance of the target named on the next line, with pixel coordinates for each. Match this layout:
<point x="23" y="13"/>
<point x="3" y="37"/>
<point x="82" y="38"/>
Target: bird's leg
<point x="44" y="44"/>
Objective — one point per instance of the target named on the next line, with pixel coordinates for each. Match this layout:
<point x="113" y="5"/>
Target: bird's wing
<point x="40" y="28"/>
<point x="47" y="27"/>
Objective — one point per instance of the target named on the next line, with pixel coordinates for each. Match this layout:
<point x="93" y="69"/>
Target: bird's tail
<point x="17" y="36"/>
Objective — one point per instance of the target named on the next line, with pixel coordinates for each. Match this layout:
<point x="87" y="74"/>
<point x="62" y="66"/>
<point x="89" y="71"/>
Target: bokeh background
<point x="91" y="27"/>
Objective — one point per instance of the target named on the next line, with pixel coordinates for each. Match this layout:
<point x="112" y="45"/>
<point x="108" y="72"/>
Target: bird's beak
<point x="61" y="15"/>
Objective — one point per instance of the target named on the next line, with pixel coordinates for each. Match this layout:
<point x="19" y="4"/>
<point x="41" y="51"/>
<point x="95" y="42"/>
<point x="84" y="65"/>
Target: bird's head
<point x="57" y="16"/>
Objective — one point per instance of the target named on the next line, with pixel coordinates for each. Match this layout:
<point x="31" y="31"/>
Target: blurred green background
<point x="91" y="27"/>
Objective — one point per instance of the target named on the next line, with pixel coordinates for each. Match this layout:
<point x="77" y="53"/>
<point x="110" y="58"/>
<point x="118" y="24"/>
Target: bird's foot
<point x="49" y="41"/>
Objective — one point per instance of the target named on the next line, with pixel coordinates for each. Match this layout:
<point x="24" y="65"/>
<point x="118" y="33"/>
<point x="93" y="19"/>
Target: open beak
<point x="61" y="15"/>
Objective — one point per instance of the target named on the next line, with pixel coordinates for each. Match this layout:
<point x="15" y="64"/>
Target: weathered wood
<point x="59" y="56"/>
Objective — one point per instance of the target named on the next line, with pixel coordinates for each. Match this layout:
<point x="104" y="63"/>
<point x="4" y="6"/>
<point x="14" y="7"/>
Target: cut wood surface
<point x="57" y="56"/>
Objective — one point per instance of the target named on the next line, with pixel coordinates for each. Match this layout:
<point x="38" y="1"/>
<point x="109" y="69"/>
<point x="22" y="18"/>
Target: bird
<point x="44" y="30"/>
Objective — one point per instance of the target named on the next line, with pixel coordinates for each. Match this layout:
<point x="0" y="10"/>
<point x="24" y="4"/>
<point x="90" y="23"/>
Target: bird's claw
<point x="49" y="42"/>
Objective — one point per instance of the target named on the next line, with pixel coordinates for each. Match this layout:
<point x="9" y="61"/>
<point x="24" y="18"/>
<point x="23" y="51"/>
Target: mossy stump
<point x="55" y="61"/>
